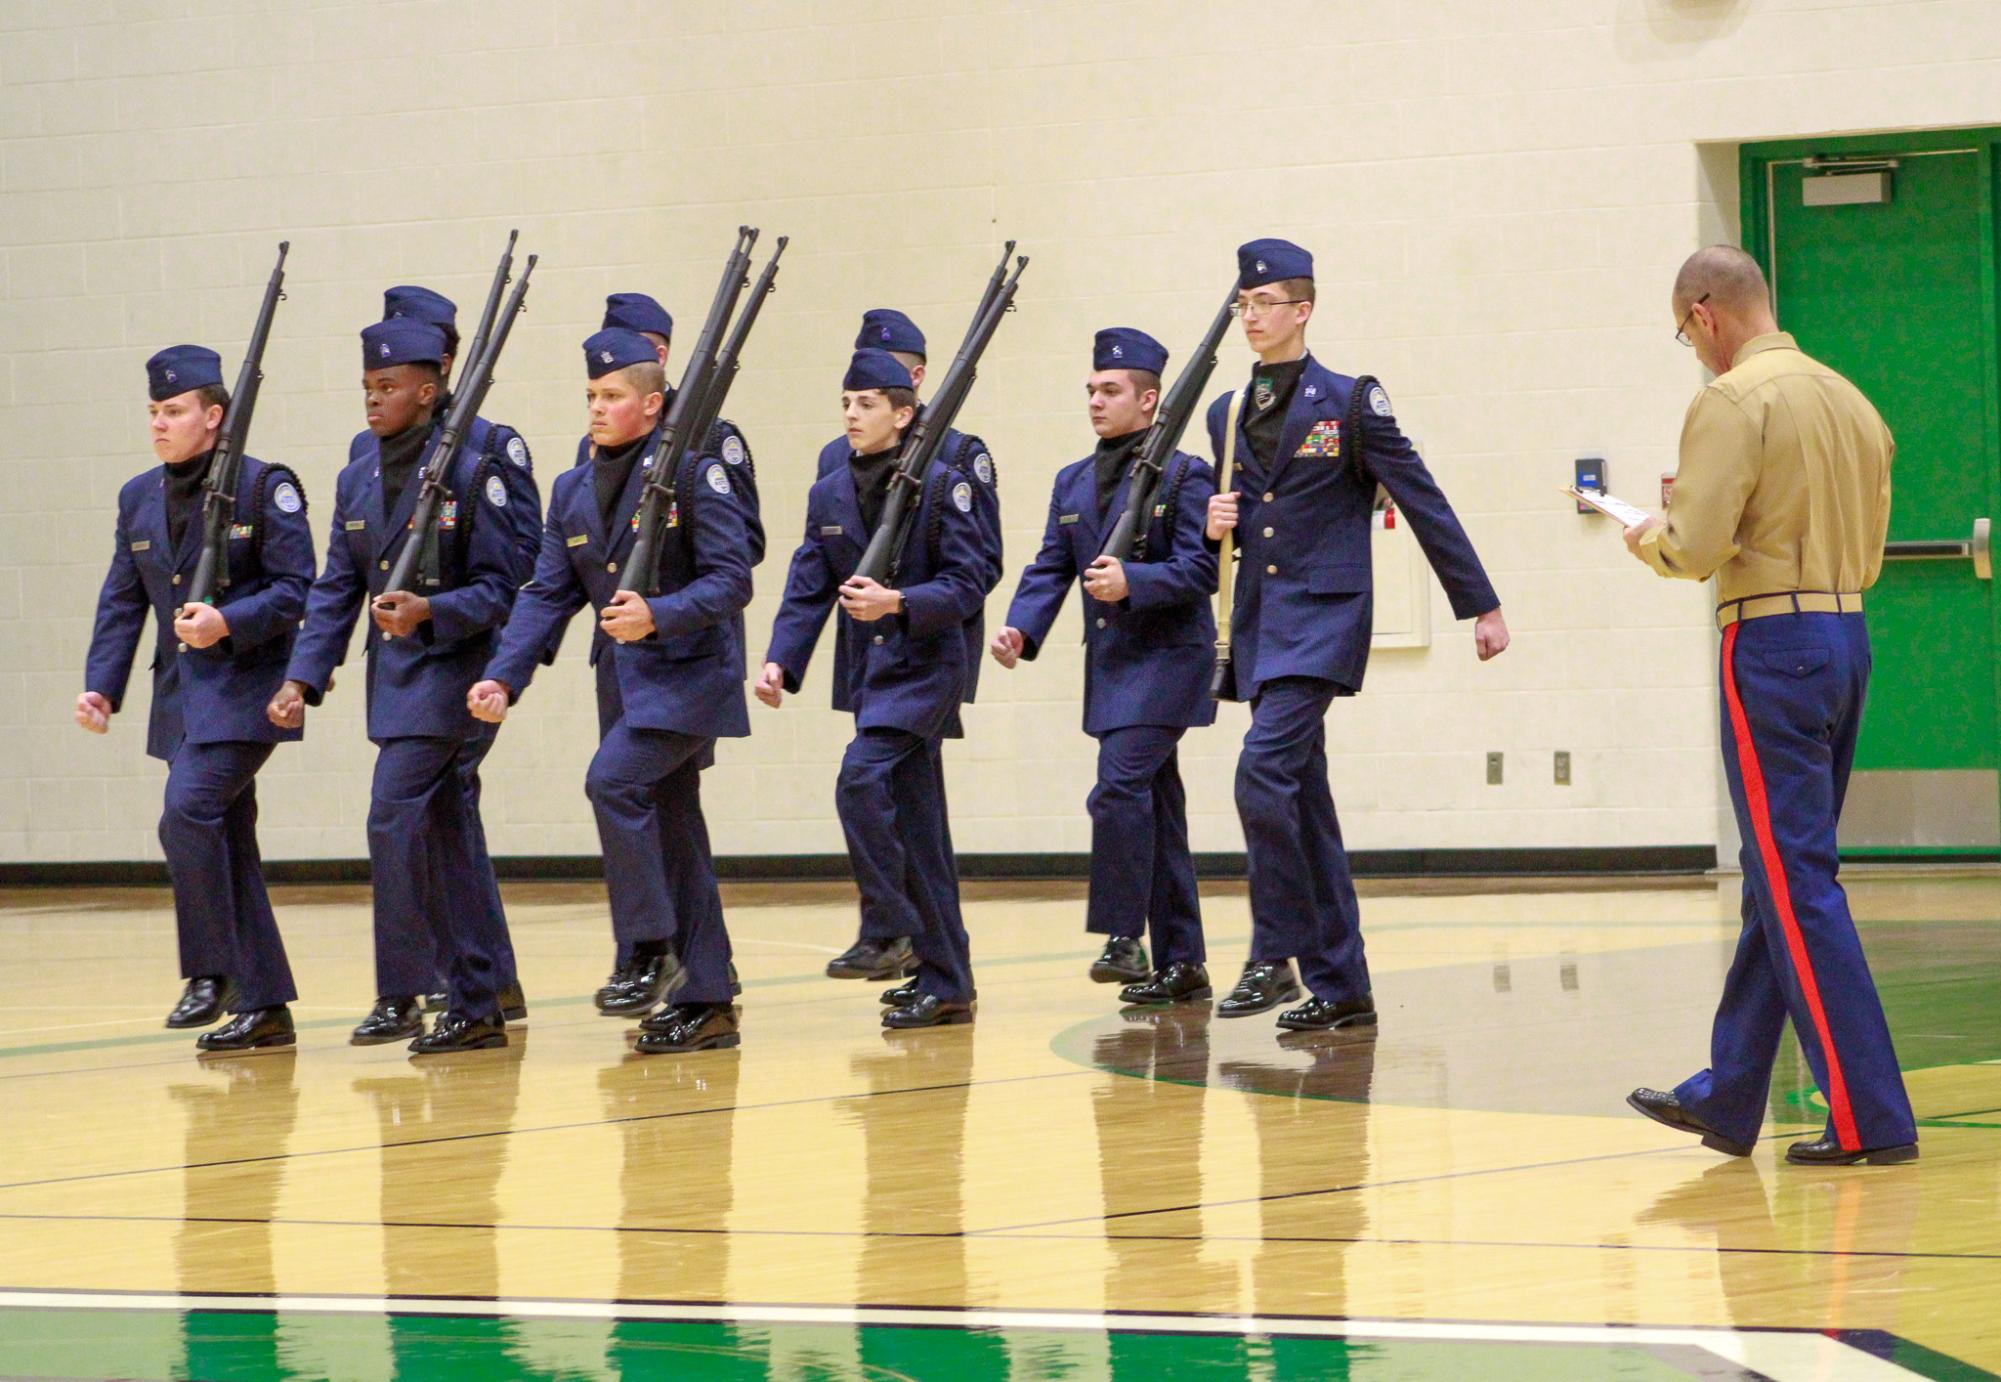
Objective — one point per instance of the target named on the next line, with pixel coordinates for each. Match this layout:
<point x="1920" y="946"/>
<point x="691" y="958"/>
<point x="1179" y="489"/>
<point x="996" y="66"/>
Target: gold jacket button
<point x="1268" y="532"/>
<point x="177" y="578"/>
<point x="383" y="565"/>
<point x="1271" y="570"/>
<point x="878" y="640"/>
<point x="1101" y="621"/>
<point x="1267" y="496"/>
<point x="611" y="566"/>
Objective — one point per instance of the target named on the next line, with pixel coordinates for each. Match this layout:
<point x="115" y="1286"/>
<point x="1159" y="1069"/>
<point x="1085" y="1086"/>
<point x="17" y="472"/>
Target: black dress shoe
<point x="1262" y="988"/>
<point x="395" y="1018"/>
<point x="513" y="1003"/>
<point x="872" y="959"/>
<point x="641" y="986"/>
<point x="455" y="1033"/>
<point x="1180" y="982"/>
<point x="437" y="1000"/>
<point x="902" y="996"/>
<point x="259" y="1029"/>
<point x="1122" y="961"/>
<point x="202" y="1002"/>
<point x="1319" y="1015"/>
<point x="690" y="1027"/>
<point x="1828" y="1151"/>
<point x="929" y="1010"/>
<point x="1666" y="1110"/>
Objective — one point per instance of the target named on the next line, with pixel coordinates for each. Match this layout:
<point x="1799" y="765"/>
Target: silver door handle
<point x="1977" y="548"/>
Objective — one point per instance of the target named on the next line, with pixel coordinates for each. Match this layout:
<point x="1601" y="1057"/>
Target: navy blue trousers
<point x="1793" y="691"/>
<point x="645" y="788"/>
<point x="1303" y="902"/>
<point x="427" y="896"/>
<point x="891" y="799"/>
<point x="208" y="828"/>
<point x="1142" y="876"/>
<point x="472" y="753"/>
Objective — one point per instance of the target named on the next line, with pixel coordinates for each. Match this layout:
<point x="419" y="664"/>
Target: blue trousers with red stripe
<point x="1793" y="689"/>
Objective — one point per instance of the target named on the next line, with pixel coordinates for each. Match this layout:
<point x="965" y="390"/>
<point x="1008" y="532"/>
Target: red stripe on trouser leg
<point x="1760" y="808"/>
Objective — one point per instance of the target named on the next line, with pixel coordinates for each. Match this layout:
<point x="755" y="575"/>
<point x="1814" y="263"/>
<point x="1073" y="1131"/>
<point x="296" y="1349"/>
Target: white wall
<point x="1498" y="195"/>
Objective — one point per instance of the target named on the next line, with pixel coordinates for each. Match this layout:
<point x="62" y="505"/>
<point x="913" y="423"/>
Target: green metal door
<point x="1881" y="252"/>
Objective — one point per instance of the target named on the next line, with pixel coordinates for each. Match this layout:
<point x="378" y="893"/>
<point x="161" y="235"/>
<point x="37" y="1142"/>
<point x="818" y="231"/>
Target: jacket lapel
<point x="848" y="508"/>
<point x="1311" y="398"/>
<point x="621" y="536"/>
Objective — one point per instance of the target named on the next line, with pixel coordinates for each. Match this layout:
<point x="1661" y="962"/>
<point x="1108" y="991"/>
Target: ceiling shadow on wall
<point x="1651" y="29"/>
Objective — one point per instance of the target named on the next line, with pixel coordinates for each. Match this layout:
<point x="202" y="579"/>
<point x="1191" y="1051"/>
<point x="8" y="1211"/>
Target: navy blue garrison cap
<point x="876" y="369"/>
<point x="421" y="304"/>
<point x="401" y="341"/>
<point x="1124" y="347"/>
<point x="637" y="312"/>
<point x="1267" y="261"/>
<point x="885" y="328"/>
<point x="614" y="349"/>
<point x="179" y="368"/>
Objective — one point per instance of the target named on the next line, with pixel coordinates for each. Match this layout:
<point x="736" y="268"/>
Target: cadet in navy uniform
<point x="524" y="510"/>
<point x="214" y="666"/>
<point x="1308" y="458"/>
<point x="424" y="651"/>
<point x="905" y="680"/>
<point x="638" y="982"/>
<point x="878" y="953"/>
<point x="668" y="679"/>
<point x="1149" y="646"/>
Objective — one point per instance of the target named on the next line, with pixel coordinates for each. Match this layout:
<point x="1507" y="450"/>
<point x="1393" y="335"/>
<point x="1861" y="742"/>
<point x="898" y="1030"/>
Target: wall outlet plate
<point x="1493" y="769"/>
<point x="1563" y="767"/>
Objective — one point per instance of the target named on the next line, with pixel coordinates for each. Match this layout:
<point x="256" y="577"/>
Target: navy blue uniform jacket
<point x="1147" y="659"/>
<point x="215" y="694"/>
<point x="1304" y="596"/>
<point x="687" y="675"/>
<point x="906" y="671"/>
<point x="416" y="685"/>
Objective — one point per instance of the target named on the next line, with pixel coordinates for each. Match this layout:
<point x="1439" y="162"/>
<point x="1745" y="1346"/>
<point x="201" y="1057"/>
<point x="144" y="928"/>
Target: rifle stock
<point x="1168" y="425"/>
<point x="211" y="572"/>
<point x="642" y="567"/>
<point x="466" y="403"/>
<point x="927" y="434"/>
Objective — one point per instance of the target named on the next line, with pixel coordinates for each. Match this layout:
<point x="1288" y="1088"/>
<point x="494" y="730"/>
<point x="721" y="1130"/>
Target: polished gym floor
<point x="1063" y="1190"/>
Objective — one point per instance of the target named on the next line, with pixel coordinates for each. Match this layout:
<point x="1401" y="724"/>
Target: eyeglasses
<point x="1681" y="332"/>
<point x="1257" y="307"/>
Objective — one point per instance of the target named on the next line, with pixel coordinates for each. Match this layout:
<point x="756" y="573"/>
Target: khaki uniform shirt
<point x="1784" y="481"/>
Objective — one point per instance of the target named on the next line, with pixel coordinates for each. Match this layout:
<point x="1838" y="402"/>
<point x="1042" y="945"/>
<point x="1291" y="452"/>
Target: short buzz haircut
<point x="900" y="398"/>
<point x="1144" y="379"/>
<point x="909" y="359"/>
<point x="1298" y="289"/>
<point x="1730" y="278"/>
<point x="213" y="396"/>
<point x="647" y="376"/>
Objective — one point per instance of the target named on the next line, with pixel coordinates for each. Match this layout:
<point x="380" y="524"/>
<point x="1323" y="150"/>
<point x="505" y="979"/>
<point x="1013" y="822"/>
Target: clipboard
<point x="1617" y="509"/>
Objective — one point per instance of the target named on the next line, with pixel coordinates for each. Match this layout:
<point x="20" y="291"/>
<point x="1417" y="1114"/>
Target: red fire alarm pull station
<point x="1667" y="491"/>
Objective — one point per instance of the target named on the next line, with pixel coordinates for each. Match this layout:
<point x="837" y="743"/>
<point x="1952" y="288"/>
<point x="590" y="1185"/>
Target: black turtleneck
<point x="1111" y="460"/>
<point x="872" y="474"/>
<point x="610" y="471"/>
<point x="1264" y="410"/>
<point x="399" y="456"/>
<point x="184" y="482"/>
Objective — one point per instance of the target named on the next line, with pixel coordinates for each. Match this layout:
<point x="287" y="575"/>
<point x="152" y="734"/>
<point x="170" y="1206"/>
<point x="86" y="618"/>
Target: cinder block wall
<point x="1498" y="196"/>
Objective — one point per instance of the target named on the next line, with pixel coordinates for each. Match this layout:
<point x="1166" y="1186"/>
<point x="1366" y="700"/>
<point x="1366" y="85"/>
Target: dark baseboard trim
<point x="811" y="868"/>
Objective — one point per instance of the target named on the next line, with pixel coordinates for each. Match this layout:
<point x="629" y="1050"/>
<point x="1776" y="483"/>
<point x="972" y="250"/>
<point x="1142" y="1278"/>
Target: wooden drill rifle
<point x="473" y="385"/>
<point x="677" y="438"/>
<point x="218" y="503"/>
<point x="920" y="445"/>
<point x="1158" y="445"/>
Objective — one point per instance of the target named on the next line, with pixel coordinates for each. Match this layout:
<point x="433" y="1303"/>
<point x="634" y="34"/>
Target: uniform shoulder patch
<point x="517" y="451"/>
<point x="285" y="495"/>
<point x="719" y="479"/>
<point x="962" y="497"/>
<point x="733" y="449"/>
<point x="1379" y="402"/>
<point x="496" y="492"/>
<point x="983" y="466"/>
